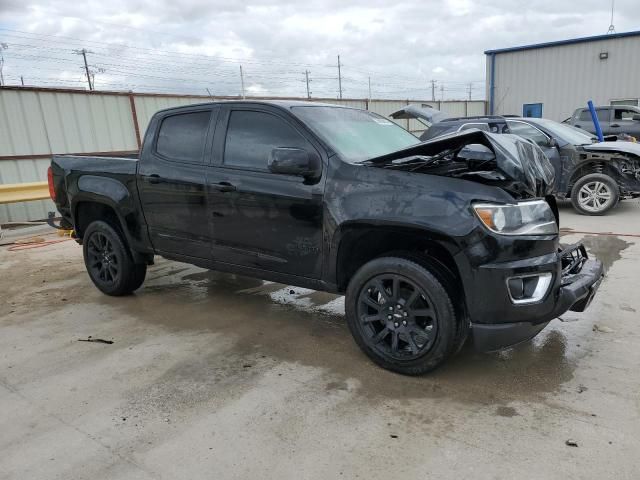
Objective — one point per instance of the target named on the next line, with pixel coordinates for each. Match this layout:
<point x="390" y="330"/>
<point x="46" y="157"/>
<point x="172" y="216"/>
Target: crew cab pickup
<point x="429" y="241"/>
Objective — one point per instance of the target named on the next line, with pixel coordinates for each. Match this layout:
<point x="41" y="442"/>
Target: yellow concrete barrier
<point x="23" y="192"/>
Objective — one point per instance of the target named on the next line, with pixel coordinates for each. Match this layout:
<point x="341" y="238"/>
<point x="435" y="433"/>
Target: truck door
<point x="262" y="219"/>
<point x="625" y="120"/>
<point x="172" y="184"/>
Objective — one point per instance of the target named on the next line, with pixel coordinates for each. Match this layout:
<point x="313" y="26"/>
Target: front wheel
<point x="595" y="194"/>
<point x="109" y="261"/>
<point x="401" y="316"/>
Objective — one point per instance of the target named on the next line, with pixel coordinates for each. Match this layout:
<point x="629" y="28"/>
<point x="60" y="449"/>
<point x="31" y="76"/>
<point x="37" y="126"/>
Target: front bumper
<point x="578" y="280"/>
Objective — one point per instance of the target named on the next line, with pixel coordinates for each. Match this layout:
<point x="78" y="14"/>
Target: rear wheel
<point x="109" y="261"/>
<point x="595" y="194"/>
<point x="401" y="316"/>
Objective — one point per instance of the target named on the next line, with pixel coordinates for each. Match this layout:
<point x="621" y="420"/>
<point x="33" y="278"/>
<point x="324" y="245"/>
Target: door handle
<point x="224" y="187"/>
<point x="614" y="125"/>
<point x="153" y="178"/>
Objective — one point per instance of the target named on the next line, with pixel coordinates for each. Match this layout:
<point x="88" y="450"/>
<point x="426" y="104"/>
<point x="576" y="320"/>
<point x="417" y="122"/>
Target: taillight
<point x="52" y="189"/>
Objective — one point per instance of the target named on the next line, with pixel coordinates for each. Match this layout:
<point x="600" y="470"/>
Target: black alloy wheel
<point x="397" y="316"/>
<point x="103" y="259"/>
<point x="109" y="260"/>
<point x="401" y="315"/>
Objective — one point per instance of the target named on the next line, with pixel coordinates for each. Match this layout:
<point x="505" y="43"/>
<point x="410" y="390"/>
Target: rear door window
<point x="182" y="137"/>
<point x="252" y="135"/>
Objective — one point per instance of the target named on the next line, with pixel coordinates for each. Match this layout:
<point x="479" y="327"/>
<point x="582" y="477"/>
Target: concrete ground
<point x="224" y="377"/>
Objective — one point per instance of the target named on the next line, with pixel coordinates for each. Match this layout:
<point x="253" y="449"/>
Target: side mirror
<point x="553" y="142"/>
<point x="636" y="117"/>
<point x="294" y="161"/>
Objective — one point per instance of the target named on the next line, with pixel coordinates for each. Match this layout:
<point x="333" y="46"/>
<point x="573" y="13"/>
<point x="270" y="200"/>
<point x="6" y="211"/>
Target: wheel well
<point x="359" y="245"/>
<point x="87" y="212"/>
<point x="588" y="168"/>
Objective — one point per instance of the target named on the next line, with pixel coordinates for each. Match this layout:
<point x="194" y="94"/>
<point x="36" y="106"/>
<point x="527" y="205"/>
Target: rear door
<point x="172" y="182"/>
<point x="261" y="219"/>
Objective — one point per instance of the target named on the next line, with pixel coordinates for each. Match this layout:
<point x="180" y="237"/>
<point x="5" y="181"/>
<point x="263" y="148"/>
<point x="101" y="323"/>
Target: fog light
<point x="528" y="288"/>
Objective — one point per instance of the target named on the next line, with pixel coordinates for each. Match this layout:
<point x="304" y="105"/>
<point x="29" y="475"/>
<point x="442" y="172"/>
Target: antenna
<point x="612" y="28"/>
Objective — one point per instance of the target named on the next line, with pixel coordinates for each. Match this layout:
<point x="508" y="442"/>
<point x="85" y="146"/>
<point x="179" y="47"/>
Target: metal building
<point x="552" y="79"/>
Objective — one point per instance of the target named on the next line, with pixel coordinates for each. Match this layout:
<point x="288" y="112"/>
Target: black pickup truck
<point x="429" y="241"/>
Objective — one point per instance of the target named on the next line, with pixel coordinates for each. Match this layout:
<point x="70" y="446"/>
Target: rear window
<point x="181" y="137"/>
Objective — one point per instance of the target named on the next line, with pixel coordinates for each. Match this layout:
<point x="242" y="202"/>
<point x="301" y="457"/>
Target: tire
<point x="109" y="262"/>
<point x="594" y="194"/>
<point x="401" y="315"/>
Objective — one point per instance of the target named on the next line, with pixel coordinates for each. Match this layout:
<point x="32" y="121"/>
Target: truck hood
<point x="421" y="112"/>
<point x="512" y="163"/>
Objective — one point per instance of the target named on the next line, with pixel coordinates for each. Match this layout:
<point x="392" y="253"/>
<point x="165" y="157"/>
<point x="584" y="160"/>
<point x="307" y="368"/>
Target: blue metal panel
<point x="532" y="110"/>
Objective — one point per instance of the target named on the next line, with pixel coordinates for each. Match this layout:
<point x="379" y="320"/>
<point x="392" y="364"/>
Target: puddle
<point x="606" y="248"/>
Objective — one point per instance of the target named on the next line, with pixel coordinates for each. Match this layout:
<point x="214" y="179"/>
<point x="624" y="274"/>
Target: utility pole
<point x="470" y="88"/>
<point x="3" y="46"/>
<point x="84" y="52"/>
<point x="433" y="90"/>
<point x="22" y="80"/>
<point x="369" y="88"/>
<point x="306" y="75"/>
<point x="441" y="92"/>
<point x="242" y="82"/>
<point x="339" y="78"/>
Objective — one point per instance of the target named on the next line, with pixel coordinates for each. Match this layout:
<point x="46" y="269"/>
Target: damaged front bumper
<point x="579" y="279"/>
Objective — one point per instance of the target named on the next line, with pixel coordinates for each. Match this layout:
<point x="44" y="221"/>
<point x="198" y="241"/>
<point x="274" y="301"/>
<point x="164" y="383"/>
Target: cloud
<point x="193" y="45"/>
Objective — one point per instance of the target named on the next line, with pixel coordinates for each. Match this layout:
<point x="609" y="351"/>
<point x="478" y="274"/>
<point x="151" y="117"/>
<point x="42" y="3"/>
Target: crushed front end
<point x="515" y="276"/>
<point x="509" y="306"/>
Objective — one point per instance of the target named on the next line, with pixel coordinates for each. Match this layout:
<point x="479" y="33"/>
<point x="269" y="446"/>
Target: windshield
<point x="355" y="135"/>
<point x="564" y="132"/>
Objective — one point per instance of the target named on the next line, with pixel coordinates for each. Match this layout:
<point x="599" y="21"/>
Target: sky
<point x="198" y="46"/>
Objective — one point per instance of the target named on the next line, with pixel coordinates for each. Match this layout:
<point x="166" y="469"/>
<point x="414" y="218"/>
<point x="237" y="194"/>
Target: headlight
<point x="533" y="217"/>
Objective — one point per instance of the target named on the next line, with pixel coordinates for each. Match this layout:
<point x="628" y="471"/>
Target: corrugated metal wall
<point x="565" y="77"/>
<point x="35" y="123"/>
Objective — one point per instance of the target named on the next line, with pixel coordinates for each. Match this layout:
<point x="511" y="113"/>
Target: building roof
<point x="570" y="41"/>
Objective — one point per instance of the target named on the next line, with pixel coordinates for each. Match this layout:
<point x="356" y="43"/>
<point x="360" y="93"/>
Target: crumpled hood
<point x="519" y="163"/>
<point x="619" y="146"/>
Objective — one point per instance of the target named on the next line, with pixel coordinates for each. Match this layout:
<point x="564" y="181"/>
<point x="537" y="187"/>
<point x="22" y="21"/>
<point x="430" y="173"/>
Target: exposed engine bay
<point x="507" y="161"/>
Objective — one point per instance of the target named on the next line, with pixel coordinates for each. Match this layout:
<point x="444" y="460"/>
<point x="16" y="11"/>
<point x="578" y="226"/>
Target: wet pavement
<point x="213" y="375"/>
